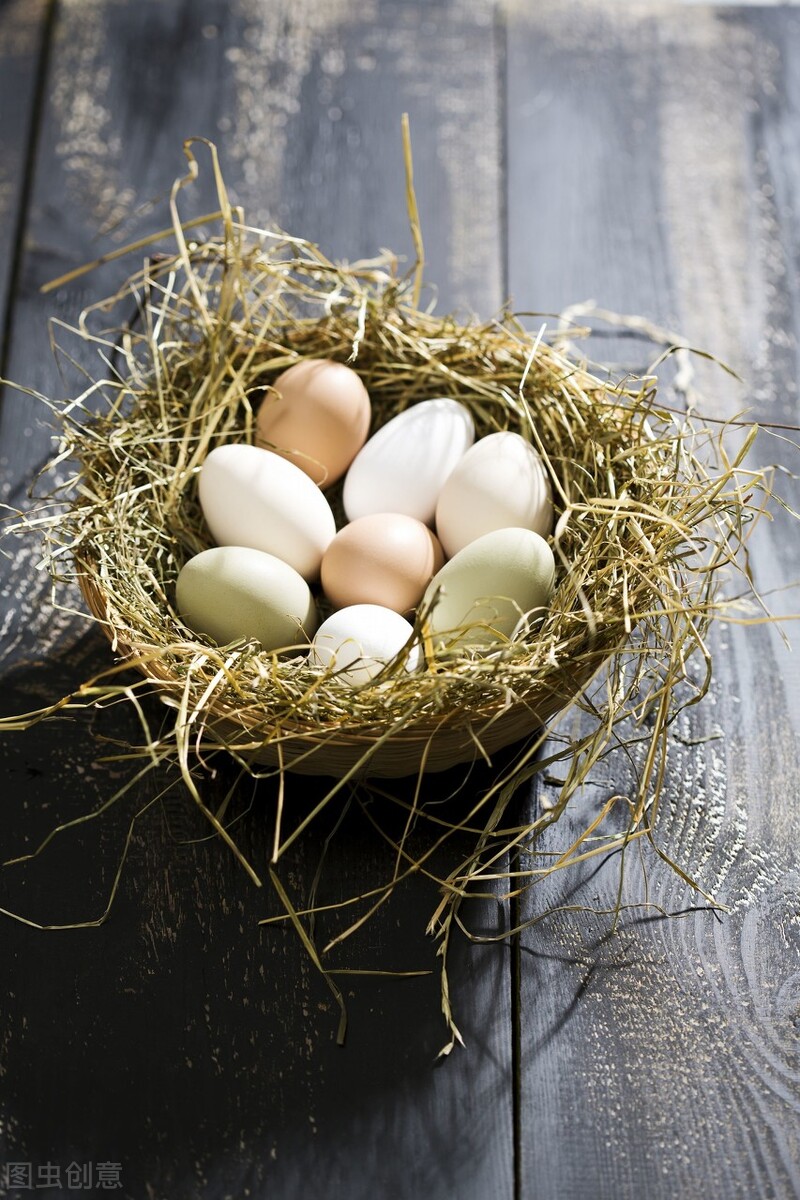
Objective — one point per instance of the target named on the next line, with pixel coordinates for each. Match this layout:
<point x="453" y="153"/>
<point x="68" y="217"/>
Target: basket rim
<point x="415" y="734"/>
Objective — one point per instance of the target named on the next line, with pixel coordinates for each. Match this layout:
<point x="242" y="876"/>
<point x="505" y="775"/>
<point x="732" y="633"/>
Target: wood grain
<point x="22" y="33"/>
<point x="659" y="149"/>
<point x="179" y="1038"/>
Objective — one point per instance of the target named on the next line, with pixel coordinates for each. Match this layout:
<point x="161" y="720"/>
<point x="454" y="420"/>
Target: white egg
<point x="403" y="466"/>
<point x="357" y="642"/>
<point x="252" y="497"/>
<point x="231" y="592"/>
<point x="500" y="482"/>
<point x="500" y="583"/>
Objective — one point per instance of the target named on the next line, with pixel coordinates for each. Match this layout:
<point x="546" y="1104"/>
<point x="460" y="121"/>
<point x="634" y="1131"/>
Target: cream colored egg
<point x="500" y="582"/>
<point x="232" y="592"/>
<point x="404" y="464"/>
<point x="383" y="558"/>
<point x="500" y="482"/>
<point x="357" y="642"/>
<point x="316" y="414"/>
<point x="251" y="497"/>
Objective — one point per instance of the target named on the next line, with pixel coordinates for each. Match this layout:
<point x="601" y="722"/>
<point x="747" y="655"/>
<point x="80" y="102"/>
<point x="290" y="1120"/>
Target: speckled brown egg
<point x="317" y="415"/>
<point x="382" y="558"/>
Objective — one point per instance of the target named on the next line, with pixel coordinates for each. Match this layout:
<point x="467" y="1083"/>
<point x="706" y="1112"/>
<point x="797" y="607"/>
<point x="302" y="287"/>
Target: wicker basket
<point x="507" y="376"/>
<point x="453" y="739"/>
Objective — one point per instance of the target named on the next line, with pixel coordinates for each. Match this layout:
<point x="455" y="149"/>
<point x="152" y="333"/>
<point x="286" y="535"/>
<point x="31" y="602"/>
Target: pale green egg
<point x="232" y="592"/>
<point x="499" y="583"/>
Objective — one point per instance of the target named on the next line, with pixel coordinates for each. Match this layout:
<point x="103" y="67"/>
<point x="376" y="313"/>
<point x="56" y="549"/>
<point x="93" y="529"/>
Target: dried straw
<point x="652" y="516"/>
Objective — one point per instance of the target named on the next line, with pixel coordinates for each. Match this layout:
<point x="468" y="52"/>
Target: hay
<point x="652" y="516"/>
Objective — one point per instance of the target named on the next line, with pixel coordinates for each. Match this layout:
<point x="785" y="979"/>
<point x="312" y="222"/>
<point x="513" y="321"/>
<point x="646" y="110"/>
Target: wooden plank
<point x="22" y="33"/>
<point x="179" y="1039"/>
<point x="659" y="150"/>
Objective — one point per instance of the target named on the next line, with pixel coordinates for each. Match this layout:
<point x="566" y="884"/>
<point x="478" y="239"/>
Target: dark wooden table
<point x="647" y="157"/>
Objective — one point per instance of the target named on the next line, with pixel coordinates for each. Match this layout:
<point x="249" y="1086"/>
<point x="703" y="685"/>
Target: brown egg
<point x="383" y="558"/>
<point x="317" y="415"/>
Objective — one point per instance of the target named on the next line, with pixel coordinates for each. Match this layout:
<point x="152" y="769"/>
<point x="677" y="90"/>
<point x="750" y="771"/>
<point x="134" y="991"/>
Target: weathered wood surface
<point x="23" y="34"/>
<point x="659" y="149"/>
<point x="647" y="157"/>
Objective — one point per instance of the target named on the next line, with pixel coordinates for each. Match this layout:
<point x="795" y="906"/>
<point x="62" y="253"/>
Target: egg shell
<point x="500" y="482"/>
<point x="383" y="558"/>
<point x="404" y="464"/>
<point x="251" y="497"/>
<point x="231" y="592"/>
<point x="358" y="641"/>
<point x="316" y="415"/>
<point x="489" y="585"/>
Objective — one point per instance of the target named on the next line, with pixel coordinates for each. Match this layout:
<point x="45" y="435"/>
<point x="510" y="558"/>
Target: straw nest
<point x="649" y="508"/>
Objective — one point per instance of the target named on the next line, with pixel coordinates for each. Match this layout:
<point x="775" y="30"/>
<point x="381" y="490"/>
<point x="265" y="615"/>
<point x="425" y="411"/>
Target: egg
<point x="489" y="586"/>
<point x="404" y="464"/>
<point x="251" y="497"/>
<point x="231" y="592"/>
<point x="500" y="482"/>
<point x="357" y="642"/>
<point x="317" y="415"/>
<point x="383" y="558"/>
